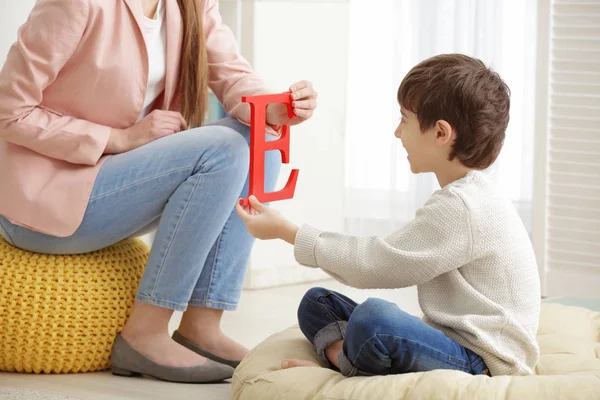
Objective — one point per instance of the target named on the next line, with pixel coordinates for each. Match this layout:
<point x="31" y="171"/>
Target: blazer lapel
<point x="135" y="7"/>
<point x="174" y="41"/>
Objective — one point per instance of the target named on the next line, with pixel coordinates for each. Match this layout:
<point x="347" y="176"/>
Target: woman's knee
<point x="232" y="144"/>
<point x="272" y="159"/>
<point x="217" y="148"/>
<point x="232" y="123"/>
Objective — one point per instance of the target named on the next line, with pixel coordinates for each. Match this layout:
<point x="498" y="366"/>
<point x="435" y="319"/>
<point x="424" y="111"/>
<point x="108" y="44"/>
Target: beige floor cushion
<point x="569" y="368"/>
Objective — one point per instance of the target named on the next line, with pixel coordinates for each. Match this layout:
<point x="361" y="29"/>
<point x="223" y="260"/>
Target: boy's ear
<point x="444" y="132"/>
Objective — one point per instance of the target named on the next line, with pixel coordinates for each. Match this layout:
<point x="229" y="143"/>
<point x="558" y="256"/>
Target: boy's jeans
<point x="379" y="338"/>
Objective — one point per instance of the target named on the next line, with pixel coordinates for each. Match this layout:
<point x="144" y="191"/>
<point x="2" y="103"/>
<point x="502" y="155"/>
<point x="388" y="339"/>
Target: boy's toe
<point x="298" y="363"/>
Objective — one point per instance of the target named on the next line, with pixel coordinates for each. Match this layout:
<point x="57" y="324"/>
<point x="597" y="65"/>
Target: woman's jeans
<point x="186" y="186"/>
<point x="379" y="338"/>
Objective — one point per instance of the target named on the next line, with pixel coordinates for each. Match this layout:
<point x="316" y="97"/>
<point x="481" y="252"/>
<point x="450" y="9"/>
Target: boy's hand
<point x="265" y="223"/>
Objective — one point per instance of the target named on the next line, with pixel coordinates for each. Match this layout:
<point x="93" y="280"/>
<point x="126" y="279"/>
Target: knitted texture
<point x="60" y="314"/>
<point x="471" y="259"/>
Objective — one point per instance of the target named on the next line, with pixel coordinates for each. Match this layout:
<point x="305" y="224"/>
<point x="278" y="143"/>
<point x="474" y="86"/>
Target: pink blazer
<point x="78" y="69"/>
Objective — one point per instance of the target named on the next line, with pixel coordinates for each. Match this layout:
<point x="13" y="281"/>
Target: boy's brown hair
<point x="462" y="91"/>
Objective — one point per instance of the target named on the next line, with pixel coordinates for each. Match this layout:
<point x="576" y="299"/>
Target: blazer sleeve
<point x="45" y="43"/>
<point x="230" y="74"/>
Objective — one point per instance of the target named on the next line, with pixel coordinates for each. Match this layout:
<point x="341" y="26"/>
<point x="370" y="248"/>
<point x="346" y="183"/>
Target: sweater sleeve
<point x="437" y="241"/>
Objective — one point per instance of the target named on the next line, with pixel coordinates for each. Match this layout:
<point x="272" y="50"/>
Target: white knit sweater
<point x="471" y="259"/>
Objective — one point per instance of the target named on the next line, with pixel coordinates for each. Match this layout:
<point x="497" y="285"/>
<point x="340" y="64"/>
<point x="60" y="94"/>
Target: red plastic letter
<point x="258" y="147"/>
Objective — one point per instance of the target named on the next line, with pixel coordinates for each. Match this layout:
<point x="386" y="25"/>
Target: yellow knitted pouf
<point x="60" y="314"/>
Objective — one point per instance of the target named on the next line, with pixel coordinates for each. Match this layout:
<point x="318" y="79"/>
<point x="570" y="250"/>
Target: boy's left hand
<point x="266" y="223"/>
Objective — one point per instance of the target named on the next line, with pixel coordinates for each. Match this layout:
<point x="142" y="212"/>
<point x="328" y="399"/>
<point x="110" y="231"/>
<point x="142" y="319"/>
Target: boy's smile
<point x="415" y="142"/>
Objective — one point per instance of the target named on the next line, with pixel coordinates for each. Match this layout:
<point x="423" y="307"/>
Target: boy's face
<point x="422" y="149"/>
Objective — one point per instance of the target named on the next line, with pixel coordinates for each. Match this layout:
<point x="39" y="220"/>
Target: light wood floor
<point x="261" y="313"/>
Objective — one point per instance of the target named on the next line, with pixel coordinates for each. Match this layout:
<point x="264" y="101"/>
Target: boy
<point x="466" y="250"/>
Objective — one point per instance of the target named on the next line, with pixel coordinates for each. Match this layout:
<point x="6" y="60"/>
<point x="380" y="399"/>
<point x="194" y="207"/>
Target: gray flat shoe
<point x="179" y="338"/>
<point x="127" y="361"/>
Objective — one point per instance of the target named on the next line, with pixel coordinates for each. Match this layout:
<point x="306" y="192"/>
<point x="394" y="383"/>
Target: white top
<point x="471" y="259"/>
<point x="155" y="35"/>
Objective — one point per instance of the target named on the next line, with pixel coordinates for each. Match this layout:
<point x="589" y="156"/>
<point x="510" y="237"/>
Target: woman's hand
<point x="157" y="124"/>
<point x="304" y="104"/>
<point x="265" y="223"/>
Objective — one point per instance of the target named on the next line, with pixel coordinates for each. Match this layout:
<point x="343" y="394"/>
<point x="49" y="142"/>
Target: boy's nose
<point x="398" y="133"/>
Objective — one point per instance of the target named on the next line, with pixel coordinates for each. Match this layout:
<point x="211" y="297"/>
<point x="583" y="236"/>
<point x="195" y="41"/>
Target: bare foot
<point x="163" y="350"/>
<point x="217" y="343"/>
<point x="292" y="363"/>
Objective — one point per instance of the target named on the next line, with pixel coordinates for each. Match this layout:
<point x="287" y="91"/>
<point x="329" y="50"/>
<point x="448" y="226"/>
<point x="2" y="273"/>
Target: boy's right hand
<point x="157" y="124"/>
<point x="266" y="223"/>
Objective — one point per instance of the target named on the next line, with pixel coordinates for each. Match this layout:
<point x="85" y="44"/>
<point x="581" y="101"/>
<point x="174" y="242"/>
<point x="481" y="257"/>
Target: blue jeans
<point x="379" y="338"/>
<point x="185" y="186"/>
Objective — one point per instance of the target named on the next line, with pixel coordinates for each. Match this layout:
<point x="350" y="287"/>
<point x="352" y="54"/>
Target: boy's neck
<point x="451" y="172"/>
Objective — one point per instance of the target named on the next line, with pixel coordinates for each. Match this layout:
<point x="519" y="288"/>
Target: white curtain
<point x="387" y="38"/>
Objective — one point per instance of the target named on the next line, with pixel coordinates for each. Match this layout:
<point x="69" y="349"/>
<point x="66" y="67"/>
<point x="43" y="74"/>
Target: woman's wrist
<point x="115" y="143"/>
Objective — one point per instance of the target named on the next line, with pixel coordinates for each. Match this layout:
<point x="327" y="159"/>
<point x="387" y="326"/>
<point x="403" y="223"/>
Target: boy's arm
<point x="437" y="241"/>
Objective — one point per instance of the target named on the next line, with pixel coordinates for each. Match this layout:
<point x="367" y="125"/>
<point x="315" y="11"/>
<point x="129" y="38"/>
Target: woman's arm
<point x="231" y="77"/>
<point x="44" y="45"/>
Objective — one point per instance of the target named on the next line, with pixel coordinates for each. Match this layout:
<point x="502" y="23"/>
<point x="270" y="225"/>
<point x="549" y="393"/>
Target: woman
<point x="101" y="104"/>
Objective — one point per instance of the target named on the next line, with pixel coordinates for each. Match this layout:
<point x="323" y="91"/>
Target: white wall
<point x="13" y="14"/>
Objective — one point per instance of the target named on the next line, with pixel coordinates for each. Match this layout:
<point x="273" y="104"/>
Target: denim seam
<point x="214" y="266"/>
<point x="213" y="305"/>
<point x="326" y="307"/>
<point x="347" y="367"/>
<point x="93" y="199"/>
<point x="337" y="297"/>
<point x="155" y="301"/>
<point x="353" y="370"/>
<point x="201" y="303"/>
<point x="477" y="363"/>
<point x="467" y="363"/>
<point x="10" y="239"/>
<point x="170" y="244"/>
